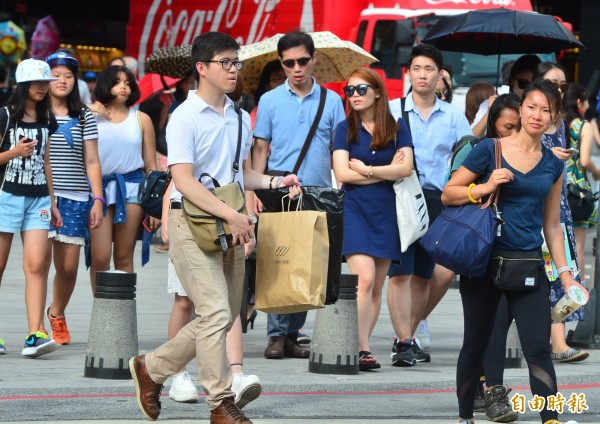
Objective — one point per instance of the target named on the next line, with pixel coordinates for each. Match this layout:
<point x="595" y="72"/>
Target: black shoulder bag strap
<point x="405" y="119"/>
<point x="313" y="130"/>
<point x="235" y="168"/>
<point x="236" y="162"/>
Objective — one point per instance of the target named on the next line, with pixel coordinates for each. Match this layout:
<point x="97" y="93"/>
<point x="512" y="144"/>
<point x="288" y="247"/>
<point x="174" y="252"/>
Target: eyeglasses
<point x="522" y="83"/>
<point x="562" y="87"/>
<point x="226" y="64"/>
<point x="290" y="63"/>
<point x="361" y="89"/>
<point x="445" y="95"/>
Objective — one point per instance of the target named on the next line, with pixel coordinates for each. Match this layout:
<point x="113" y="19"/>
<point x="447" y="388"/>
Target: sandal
<point x="570" y="355"/>
<point x="366" y="361"/>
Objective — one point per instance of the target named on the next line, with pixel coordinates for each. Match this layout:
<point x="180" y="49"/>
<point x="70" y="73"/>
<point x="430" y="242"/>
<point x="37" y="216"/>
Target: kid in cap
<point x="33" y="70"/>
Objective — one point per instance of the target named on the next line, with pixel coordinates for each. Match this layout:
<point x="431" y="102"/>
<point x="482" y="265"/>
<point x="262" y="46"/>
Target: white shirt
<point x="198" y="134"/>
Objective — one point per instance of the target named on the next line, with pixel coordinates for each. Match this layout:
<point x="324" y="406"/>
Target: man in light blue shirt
<point x="435" y="127"/>
<point x="285" y="115"/>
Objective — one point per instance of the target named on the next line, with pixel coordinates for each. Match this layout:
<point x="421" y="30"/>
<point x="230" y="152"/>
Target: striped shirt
<point x="67" y="153"/>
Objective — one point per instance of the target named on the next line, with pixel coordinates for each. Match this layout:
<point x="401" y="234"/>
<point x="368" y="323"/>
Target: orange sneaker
<point x="60" y="332"/>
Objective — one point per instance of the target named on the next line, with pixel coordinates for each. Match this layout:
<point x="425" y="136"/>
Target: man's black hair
<point x="295" y="39"/>
<point x="206" y="46"/>
<point x="429" y="51"/>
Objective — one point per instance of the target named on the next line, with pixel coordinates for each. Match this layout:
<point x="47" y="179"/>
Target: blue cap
<point x="63" y="59"/>
<point x="90" y="76"/>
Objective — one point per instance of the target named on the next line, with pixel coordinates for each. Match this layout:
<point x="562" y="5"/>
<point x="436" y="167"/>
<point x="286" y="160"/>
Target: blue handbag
<point x="462" y="237"/>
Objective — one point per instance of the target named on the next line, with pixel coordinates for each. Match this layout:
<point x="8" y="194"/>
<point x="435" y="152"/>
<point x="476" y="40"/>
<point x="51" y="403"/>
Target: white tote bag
<point x="411" y="210"/>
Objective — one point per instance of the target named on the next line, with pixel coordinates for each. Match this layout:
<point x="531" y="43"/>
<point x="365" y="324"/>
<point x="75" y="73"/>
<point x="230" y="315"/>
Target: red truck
<point x="386" y="28"/>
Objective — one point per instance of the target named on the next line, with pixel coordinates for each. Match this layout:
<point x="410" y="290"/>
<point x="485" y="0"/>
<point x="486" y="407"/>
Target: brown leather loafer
<point x="146" y="390"/>
<point x="292" y="349"/>
<point x="274" y="348"/>
<point x="228" y="413"/>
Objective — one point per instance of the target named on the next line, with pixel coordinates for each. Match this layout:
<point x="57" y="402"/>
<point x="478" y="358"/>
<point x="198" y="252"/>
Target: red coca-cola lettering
<point x="163" y="23"/>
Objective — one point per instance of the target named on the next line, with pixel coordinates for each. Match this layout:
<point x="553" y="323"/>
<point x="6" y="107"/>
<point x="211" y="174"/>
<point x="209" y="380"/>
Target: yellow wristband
<point x="370" y="171"/>
<point x="471" y="198"/>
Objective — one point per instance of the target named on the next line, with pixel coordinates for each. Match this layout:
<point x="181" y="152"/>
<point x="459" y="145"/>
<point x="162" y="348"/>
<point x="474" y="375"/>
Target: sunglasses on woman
<point x="361" y="89"/>
<point x="290" y="63"/>
<point x="562" y="87"/>
<point x="522" y="83"/>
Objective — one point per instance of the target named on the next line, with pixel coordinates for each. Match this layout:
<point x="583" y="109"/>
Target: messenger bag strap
<point x="405" y="118"/>
<point x="236" y="162"/>
<point x="313" y="130"/>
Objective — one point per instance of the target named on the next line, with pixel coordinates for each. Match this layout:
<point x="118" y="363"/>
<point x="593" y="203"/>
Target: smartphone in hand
<point x="571" y="150"/>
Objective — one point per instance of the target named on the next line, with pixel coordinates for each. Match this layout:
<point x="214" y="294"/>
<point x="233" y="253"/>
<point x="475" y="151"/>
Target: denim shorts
<point x="416" y="261"/>
<point x="23" y="213"/>
<point x="74" y="215"/>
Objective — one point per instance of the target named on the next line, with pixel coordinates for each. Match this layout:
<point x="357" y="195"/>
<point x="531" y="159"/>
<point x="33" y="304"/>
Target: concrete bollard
<point x="113" y="328"/>
<point x="335" y="336"/>
<point x="514" y="355"/>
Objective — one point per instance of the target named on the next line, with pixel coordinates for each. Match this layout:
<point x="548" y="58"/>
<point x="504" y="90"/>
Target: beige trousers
<point x="214" y="283"/>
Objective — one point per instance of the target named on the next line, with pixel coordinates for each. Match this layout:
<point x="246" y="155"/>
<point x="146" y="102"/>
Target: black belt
<point x="175" y="205"/>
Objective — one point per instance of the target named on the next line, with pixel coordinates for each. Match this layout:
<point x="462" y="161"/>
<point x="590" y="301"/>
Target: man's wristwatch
<point x="254" y="219"/>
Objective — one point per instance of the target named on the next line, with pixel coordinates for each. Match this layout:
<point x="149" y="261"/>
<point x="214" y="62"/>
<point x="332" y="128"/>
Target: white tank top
<point x="120" y="145"/>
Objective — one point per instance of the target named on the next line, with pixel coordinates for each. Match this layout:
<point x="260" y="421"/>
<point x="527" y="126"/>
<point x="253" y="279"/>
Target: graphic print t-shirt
<point x="24" y="176"/>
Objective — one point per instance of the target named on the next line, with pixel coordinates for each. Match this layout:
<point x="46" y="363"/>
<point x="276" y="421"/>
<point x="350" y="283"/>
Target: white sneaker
<point x="422" y="333"/>
<point x="246" y="388"/>
<point x="183" y="388"/>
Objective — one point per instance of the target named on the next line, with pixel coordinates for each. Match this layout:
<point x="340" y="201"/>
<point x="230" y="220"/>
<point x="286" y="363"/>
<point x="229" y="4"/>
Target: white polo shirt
<point x="198" y="134"/>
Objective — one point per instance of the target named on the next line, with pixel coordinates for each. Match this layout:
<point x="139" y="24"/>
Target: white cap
<point x="33" y="70"/>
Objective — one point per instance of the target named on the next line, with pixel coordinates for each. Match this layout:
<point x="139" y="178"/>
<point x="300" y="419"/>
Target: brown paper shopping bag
<point x="291" y="261"/>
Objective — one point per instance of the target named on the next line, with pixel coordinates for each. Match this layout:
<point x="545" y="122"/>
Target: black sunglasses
<point x="445" y="95"/>
<point x="361" y="89"/>
<point x="522" y="83"/>
<point x="290" y="63"/>
<point x="562" y="87"/>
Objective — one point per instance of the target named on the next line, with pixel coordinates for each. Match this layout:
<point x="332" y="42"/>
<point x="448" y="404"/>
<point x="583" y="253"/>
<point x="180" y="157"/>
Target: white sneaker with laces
<point x="422" y="333"/>
<point x="183" y="388"/>
<point x="246" y="388"/>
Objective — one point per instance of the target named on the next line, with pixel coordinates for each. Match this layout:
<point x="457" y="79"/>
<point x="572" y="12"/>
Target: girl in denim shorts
<point x="77" y="181"/>
<point x="27" y="203"/>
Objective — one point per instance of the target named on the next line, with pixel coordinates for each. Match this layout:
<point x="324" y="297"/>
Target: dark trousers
<point x="531" y="310"/>
<point x="493" y="361"/>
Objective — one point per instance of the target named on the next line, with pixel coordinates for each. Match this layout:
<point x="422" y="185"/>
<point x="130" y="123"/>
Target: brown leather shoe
<point x="292" y="349"/>
<point x="274" y="348"/>
<point x="228" y="413"/>
<point x="146" y="390"/>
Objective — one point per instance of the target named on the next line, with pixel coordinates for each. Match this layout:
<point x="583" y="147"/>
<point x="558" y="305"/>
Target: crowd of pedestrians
<point x="71" y="170"/>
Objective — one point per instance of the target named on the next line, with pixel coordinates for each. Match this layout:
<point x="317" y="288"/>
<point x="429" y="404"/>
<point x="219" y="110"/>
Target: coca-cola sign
<point x="163" y="23"/>
<point x="476" y="3"/>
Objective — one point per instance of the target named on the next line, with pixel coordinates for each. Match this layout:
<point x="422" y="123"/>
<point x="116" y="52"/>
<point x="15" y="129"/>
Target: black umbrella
<point x="500" y="31"/>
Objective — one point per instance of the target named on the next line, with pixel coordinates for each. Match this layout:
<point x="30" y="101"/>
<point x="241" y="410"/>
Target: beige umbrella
<point x="335" y="60"/>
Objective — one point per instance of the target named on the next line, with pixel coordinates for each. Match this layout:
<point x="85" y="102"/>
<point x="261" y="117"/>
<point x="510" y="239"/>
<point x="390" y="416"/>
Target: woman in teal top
<point x="531" y="183"/>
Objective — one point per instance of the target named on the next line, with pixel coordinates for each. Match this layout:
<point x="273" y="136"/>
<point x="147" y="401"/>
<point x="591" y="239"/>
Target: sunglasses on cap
<point x="445" y="95"/>
<point x="290" y="63"/>
<point x="361" y="89"/>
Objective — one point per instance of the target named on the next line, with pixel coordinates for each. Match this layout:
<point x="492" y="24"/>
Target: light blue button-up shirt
<point x="284" y="119"/>
<point x="434" y="138"/>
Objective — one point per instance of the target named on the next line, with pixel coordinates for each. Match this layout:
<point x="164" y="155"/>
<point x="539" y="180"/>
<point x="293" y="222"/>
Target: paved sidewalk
<point x="53" y="388"/>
